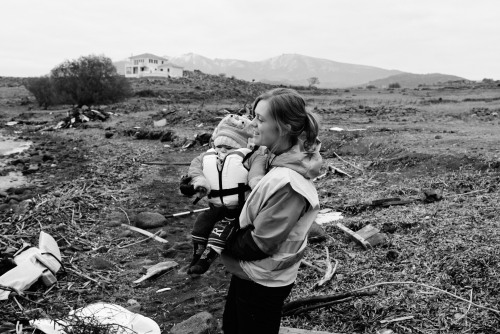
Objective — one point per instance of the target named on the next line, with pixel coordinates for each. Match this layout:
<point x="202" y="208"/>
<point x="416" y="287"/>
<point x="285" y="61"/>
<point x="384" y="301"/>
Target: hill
<point x="410" y="80"/>
<point x="290" y="69"/>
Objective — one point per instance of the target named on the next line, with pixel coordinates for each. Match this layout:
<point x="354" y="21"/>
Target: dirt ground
<point x="394" y="143"/>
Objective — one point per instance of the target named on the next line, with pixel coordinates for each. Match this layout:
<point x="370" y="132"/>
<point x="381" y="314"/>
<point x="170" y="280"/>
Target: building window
<point x="128" y="70"/>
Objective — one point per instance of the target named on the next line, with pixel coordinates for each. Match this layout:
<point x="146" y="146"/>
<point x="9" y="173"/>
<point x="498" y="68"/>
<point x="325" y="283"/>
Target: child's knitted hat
<point x="233" y="131"/>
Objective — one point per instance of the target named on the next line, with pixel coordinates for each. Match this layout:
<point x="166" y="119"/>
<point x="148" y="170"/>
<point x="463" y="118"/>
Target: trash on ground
<point x="31" y="264"/>
<point x="156" y="270"/>
<point x="119" y="319"/>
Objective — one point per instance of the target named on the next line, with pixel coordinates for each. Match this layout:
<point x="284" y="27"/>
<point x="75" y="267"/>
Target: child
<point x="225" y="173"/>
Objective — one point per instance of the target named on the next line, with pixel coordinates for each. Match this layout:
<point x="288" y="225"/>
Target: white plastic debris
<point x="31" y="264"/>
<point x="122" y="320"/>
<point x="160" y="123"/>
<point x="327" y="216"/>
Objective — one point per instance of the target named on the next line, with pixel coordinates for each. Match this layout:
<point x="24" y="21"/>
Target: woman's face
<point x="265" y="128"/>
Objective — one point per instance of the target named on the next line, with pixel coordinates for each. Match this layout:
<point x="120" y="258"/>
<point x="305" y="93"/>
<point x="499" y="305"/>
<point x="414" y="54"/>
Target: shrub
<point x="89" y="80"/>
<point x="371" y="87"/>
<point x="394" y="85"/>
<point x="42" y="89"/>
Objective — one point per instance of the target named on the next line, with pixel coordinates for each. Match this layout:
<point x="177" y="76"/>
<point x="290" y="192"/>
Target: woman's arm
<point x="272" y="226"/>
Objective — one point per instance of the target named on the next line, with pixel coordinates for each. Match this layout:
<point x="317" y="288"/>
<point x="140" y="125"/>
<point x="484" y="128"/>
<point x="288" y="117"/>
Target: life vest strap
<point x="241" y="189"/>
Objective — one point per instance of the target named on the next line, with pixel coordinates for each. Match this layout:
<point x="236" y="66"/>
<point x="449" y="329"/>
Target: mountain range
<point x="295" y="69"/>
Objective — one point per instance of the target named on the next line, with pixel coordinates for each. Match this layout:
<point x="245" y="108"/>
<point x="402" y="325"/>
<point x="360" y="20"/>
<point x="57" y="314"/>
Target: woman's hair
<point x="288" y="109"/>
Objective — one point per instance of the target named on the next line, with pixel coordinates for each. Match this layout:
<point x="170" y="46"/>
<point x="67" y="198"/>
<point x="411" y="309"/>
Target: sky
<point x="419" y="36"/>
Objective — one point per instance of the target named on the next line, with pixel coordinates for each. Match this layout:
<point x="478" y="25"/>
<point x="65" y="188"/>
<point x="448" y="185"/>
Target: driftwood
<point x="149" y="234"/>
<point x="306" y="304"/>
<point x="156" y="270"/>
<point x="330" y="271"/>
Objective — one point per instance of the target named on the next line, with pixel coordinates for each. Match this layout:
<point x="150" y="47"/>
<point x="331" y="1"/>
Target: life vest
<point x="229" y="186"/>
<point x="281" y="268"/>
<point x="32" y="264"/>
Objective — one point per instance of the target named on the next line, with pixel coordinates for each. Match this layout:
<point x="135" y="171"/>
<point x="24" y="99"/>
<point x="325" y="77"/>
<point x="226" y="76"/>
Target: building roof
<point x="148" y="55"/>
<point x="170" y="65"/>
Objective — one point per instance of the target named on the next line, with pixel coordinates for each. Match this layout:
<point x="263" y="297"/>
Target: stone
<point x="108" y="134"/>
<point x="133" y="306"/>
<point x="4" y="207"/>
<point x="182" y="245"/>
<point x="150" y="220"/>
<point x="170" y="253"/>
<point x="316" y="233"/>
<point x="200" y="323"/>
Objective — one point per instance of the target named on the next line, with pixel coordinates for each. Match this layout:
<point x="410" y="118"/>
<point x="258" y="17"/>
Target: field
<point x="439" y="269"/>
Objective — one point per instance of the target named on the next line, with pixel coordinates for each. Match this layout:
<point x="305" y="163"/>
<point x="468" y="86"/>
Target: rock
<point x="201" y="323"/>
<point x="4" y="207"/>
<point x="149" y="220"/>
<point x="170" y="253"/>
<point x="108" y="134"/>
<point x="31" y="169"/>
<point x="133" y="306"/>
<point x="3" y="194"/>
<point x="182" y="245"/>
<point x="316" y="233"/>
<point x="85" y="108"/>
<point x="47" y="157"/>
<point x="36" y="159"/>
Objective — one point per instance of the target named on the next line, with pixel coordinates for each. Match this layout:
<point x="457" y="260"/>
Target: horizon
<point x="446" y="37"/>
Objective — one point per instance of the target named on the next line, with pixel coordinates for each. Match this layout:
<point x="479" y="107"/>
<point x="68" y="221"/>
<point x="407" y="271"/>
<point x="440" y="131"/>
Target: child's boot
<point x="198" y="249"/>
<point x="203" y="263"/>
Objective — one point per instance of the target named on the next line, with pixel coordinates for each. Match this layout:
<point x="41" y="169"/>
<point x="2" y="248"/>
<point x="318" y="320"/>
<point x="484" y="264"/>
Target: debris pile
<point x="77" y="116"/>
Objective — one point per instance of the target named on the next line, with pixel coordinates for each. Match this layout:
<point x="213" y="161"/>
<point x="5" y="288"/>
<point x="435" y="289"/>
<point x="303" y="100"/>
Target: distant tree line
<point x="85" y="81"/>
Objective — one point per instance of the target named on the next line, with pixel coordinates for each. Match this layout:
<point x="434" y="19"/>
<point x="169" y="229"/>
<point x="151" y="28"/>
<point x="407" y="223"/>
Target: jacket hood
<point x="305" y="162"/>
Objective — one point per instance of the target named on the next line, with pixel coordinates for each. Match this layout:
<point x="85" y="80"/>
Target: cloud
<point x="451" y="36"/>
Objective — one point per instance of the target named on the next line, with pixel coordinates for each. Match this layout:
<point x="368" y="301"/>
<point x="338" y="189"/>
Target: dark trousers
<point x="252" y="308"/>
<point x="204" y="223"/>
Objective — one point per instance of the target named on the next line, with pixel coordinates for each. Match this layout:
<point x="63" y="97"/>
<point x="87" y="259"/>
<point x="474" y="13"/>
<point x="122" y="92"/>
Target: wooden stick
<point x="353" y="234"/>
<point x="138" y="242"/>
<point x="309" y="264"/>
<point x="330" y="271"/>
<point x="339" y="171"/>
<point x="149" y="234"/>
<point x="126" y="215"/>
<point x="347" y="162"/>
<point x="386" y="321"/>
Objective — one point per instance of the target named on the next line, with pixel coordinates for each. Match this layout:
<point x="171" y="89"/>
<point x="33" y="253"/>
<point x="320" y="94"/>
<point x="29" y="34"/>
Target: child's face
<point x="224" y="150"/>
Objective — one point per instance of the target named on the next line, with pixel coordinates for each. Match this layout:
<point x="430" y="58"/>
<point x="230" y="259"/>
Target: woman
<point x="264" y="255"/>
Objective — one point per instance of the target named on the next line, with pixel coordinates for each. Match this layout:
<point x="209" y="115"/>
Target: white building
<point x="149" y="65"/>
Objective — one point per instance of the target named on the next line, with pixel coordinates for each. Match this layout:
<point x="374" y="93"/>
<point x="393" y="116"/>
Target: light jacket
<point x="286" y="241"/>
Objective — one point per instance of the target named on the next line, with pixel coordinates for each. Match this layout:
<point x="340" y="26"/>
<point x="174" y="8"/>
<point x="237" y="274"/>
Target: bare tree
<point x="313" y="81"/>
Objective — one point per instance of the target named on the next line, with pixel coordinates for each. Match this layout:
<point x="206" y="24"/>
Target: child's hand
<point x="201" y="191"/>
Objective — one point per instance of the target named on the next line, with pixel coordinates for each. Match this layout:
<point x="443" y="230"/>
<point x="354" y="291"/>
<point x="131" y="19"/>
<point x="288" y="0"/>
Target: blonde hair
<point x="288" y="109"/>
